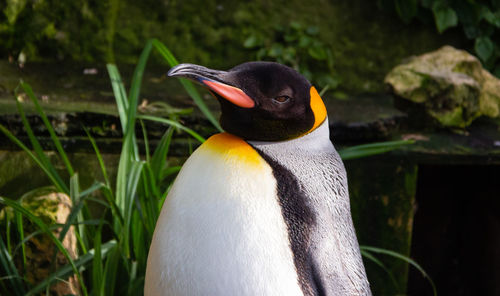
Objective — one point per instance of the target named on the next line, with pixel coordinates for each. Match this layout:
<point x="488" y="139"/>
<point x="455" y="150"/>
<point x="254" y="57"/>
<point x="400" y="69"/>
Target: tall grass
<point x="117" y="265"/>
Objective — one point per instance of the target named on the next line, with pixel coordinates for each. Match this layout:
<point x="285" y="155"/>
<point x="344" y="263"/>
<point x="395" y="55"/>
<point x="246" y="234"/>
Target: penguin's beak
<point x="215" y="81"/>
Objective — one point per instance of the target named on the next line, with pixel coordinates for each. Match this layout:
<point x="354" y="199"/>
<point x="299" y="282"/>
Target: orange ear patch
<point x="231" y="93"/>
<point x="318" y="108"/>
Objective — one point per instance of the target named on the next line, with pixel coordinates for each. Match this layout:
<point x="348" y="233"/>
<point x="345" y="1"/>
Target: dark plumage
<point x="281" y="95"/>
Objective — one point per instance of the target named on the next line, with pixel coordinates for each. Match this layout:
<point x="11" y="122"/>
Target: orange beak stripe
<point x="230" y="93"/>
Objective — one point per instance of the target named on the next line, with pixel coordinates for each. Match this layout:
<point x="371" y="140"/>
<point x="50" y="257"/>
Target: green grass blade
<point x="93" y="188"/>
<point x="160" y="155"/>
<point x="7" y="264"/>
<point x="132" y="182"/>
<point x="121" y="179"/>
<point x="166" y="172"/>
<point x="146" y="141"/>
<point x="151" y="193"/>
<point x="8" y="225"/>
<point x="20" y="230"/>
<point x="188" y="86"/>
<point x="27" y="88"/>
<point x="140" y="243"/>
<point x="75" y="198"/>
<point x="117" y="215"/>
<point x="401" y="257"/>
<point x="52" y="173"/>
<point x="119" y="93"/>
<point x="92" y="222"/>
<point x="133" y="275"/>
<point x="374" y="259"/>
<point x="371" y="149"/>
<point x="124" y="166"/>
<point x="111" y="270"/>
<point x="163" y="50"/>
<point x="43" y="226"/>
<point x="174" y="124"/>
<point x="73" y="215"/>
<point x="97" y="265"/>
<point x="99" y="158"/>
<point x="68" y="269"/>
<point x="135" y="87"/>
<point x="39" y="162"/>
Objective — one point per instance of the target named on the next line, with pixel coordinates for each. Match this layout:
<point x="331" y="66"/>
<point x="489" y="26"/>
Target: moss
<point x="449" y="84"/>
<point x="365" y="45"/>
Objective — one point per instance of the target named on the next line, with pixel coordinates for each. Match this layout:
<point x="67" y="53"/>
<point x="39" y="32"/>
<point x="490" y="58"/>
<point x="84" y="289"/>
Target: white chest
<point x="221" y="232"/>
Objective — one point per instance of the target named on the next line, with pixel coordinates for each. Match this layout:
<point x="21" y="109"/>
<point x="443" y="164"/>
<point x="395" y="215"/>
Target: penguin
<point x="263" y="208"/>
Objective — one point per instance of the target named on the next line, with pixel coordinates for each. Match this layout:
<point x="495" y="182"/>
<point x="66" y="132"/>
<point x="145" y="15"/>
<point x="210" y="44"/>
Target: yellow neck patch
<point x="232" y="147"/>
<point x="318" y="108"/>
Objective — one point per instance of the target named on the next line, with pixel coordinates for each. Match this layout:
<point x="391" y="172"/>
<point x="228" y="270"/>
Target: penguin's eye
<point x="281" y="99"/>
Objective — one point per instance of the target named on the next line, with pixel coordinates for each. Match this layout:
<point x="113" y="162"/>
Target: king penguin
<point x="262" y="209"/>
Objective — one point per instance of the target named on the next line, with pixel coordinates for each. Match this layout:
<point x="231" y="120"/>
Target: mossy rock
<point x="52" y="208"/>
<point x="451" y="84"/>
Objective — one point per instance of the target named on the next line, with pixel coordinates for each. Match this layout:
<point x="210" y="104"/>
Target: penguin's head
<point x="261" y="101"/>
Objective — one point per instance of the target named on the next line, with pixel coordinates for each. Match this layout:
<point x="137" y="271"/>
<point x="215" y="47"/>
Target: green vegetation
<point x="113" y="244"/>
<point x="297" y="46"/>
<point x="479" y="21"/>
<point x="133" y="203"/>
<point x="364" y="45"/>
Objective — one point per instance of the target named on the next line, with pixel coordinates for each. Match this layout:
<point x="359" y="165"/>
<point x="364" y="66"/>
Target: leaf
<point x="375" y="260"/>
<point x="317" y="52"/>
<point x="295" y="25"/>
<point x="99" y="157"/>
<point x="14" y="9"/>
<point x="371" y="149"/>
<point x="251" y="42"/>
<point x="484" y="48"/>
<point x="406" y="9"/>
<point x="27" y="88"/>
<point x="8" y="268"/>
<point x="111" y="270"/>
<point x="97" y="265"/>
<point x="41" y="225"/>
<point x="188" y="86"/>
<point x="261" y="53"/>
<point x="174" y="124"/>
<point x="312" y="30"/>
<point x="492" y="18"/>
<point x="471" y="32"/>
<point x="66" y="270"/>
<point x="160" y="155"/>
<point x="135" y="87"/>
<point x="276" y="50"/>
<point x="444" y="16"/>
<point x="304" y="41"/>
<point x="38" y="156"/>
<point x="401" y="257"/>
<point x="119" y="93"/>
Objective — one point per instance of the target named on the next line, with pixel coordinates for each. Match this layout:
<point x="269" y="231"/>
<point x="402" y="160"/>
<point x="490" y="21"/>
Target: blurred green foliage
<point x="479" y="21"/>
<point x="364" y="45"/>
<point x="51" y="28"/>
<point x="297" y="46"/>
<point x="116" y="30"/>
